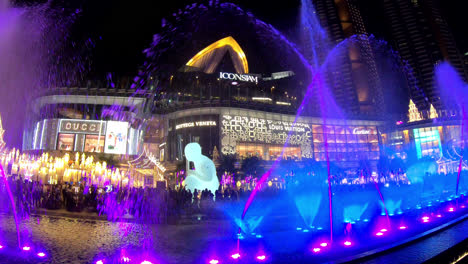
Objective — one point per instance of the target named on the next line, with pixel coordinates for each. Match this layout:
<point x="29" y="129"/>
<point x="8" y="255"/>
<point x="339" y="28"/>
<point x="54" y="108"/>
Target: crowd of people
<point x="155" y="205"/>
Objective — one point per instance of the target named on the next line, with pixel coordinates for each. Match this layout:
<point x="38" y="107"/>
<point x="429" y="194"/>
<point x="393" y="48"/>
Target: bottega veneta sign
<point x="80" y="126"/>
<point x="238" y="77"/>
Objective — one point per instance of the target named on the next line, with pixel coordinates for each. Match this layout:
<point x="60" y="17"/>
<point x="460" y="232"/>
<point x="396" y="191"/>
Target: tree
<point x="227" y="164"/>
<point x="383" y="165"/>
<point x="252" y="166"/>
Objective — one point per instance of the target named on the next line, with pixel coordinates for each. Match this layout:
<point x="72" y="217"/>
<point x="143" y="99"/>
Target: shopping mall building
<point x="227" y="111"/>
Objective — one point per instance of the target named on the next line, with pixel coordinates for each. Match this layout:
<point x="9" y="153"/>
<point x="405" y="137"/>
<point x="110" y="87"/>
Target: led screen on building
<point x="116" y="137"/>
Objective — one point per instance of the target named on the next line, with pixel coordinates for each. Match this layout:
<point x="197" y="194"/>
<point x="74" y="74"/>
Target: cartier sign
<point x="361" y="131"/>
<point x="83" y="126"/>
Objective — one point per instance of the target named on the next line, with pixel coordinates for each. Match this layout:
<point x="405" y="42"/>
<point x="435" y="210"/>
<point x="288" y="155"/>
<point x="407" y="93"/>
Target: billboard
<point x="116" y="137"/>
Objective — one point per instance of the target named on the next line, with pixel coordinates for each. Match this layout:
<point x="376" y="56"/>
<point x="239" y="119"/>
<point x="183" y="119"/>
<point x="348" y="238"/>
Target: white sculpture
<point x="203" y="175"/>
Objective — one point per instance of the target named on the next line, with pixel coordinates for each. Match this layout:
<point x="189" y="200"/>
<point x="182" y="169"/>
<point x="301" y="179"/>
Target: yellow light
<point x="229" y="42"/>
<point x="238" y="184"/>
<point x="270" y="183"/>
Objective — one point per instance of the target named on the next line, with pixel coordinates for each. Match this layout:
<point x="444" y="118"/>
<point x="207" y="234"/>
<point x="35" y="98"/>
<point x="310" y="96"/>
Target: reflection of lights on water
<point x="99" y="262"/>
<point x="41" y="254"/>
<point x="383" y="230"/>
<point x="402" y="227"/>
<point x="126" y="259"/>
<point x="439" y="215"/>
<point x="261" y="257"/>
<point x="324" y="244"/>
<point x="235" y="256"/>
<point x="214" y="261"/>
<point x="451" y="209"/>
<point x="26" y="248"/>
<point x="316" y="250"/>
<point x="146" y="262"/>
<point x="379" y="234"/>
<point x="347" y="243"/>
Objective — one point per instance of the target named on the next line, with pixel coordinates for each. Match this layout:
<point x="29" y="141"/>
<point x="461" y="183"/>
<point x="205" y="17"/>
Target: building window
<point x="94" y="143"/>
<point x="66" y="142"/>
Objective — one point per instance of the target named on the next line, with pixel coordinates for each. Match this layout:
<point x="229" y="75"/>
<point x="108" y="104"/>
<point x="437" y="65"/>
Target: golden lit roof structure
<point x="209" y="58"/>
<point x="413" y="112"/>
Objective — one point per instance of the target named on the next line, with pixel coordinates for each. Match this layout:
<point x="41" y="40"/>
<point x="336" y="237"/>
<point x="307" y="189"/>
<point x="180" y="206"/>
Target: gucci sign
<point x="83" y="126"/>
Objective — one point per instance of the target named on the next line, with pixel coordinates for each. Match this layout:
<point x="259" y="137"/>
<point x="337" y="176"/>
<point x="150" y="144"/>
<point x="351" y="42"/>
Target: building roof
<point x="209" y="58"/>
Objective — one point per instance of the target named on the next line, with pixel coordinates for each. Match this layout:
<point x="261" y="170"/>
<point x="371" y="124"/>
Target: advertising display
<point x="116" y="137"/>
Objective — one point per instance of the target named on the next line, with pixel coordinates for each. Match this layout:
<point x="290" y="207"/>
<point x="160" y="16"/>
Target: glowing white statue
<point x="203" y="175"/>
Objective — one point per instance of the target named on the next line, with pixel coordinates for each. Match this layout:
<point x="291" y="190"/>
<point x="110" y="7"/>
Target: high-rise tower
<point x="422" y="38"/>
<point x="355" y="81"/>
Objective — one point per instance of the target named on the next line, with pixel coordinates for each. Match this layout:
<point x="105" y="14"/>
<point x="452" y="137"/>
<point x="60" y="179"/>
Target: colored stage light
<point x="347" y="243"/>
<point x="41" y="254"/>
<point x="379" y="234"/>
<point x="402" y="227"/>
<point x="261" y="257"/>
<point x="235" y="256"/>
<point x="26" y="248"/>
<point x="324" y="244"/>
<point x="214" y="261"/>
<point x="316" y="250"/>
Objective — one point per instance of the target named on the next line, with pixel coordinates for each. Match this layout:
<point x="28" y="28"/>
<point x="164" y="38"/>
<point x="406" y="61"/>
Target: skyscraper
<point x="422" y="38"/>
<point x="355" y="82"/>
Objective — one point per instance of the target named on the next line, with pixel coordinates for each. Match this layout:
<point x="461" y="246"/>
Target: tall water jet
<point x="12" y="202"/>
<point x="453" y="90"/>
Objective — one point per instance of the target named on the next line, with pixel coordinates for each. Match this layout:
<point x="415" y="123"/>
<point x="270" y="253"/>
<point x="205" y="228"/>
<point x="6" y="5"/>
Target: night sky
<point x="123" y="29"/>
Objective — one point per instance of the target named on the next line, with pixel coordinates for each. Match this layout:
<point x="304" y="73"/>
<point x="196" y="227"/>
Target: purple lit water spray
<point x="453" y="90"/>
<point x="12" y="201"/>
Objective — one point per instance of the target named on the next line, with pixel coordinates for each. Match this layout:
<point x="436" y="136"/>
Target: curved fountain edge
<point x="388" y="248"/>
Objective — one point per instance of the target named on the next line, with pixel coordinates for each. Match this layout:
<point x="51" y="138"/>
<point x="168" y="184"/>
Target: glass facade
<point x="427" y="141"/>
<point x="66" y="142"/>
<point x="345" y="143"/>
<point x="94" y="143"/>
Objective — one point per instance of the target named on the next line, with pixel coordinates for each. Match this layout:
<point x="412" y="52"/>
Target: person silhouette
<point x="203" y="175"/>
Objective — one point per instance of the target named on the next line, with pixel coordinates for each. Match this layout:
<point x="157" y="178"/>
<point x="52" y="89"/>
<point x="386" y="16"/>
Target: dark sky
<point x="123" y="29"/>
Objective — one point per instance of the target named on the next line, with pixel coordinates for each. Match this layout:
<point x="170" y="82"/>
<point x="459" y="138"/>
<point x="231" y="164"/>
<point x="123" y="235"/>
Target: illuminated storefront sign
<point x="116" y="137"/>
<point x="250" y="129"/>
<point x="362" y="131"/>
<point x="82" y="126"/>
<point x="238" y="77"/>
<point x="196" y="124"/>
